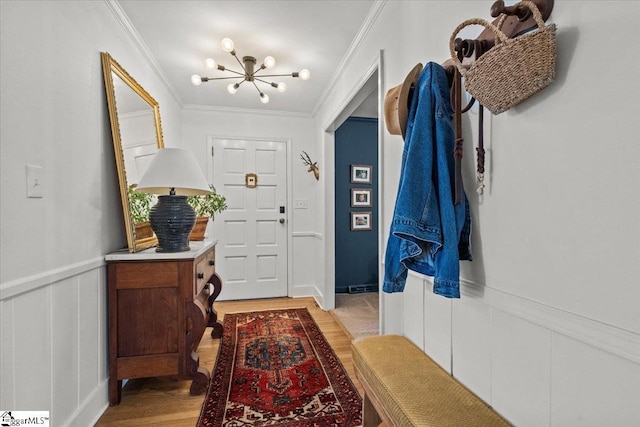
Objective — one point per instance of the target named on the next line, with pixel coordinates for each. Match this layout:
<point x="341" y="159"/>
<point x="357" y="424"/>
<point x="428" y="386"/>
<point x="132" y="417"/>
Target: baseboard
<point x="93" y="407"/>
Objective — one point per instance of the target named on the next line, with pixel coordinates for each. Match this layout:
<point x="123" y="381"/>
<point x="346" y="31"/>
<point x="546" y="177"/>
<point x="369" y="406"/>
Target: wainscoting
<point x="54" y="343"/>
<point x="569" y="370"/>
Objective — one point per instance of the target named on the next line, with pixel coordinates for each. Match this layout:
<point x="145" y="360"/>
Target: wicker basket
<point x="512" y="70"/>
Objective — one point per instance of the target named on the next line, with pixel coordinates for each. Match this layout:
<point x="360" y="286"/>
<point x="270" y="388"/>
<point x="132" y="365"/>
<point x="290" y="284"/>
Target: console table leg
<point x="213" y="315"/>
<point x="201" y="380"/>
<point x="115" y="390"/>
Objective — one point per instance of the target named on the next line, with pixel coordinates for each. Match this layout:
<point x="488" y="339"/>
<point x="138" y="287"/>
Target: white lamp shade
<point x="174" y="168"/>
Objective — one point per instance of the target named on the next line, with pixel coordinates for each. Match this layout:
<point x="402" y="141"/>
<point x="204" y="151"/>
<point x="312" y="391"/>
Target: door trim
<point x="288" y="142"/>
<point x="328" y="143"/>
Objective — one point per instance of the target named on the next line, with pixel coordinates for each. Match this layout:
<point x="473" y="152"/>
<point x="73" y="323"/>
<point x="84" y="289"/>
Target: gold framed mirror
<point x="137" y="135"/>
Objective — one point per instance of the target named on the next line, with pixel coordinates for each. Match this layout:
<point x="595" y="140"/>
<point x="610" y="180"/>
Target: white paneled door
<point x="251" y="255"/>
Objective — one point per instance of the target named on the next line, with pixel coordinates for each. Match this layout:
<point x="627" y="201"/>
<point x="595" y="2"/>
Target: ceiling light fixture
<point x="249" y="74"/>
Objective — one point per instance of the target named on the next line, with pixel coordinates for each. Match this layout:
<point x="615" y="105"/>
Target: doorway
<point x="356" y="203"/>
<point x="366" y="95"/>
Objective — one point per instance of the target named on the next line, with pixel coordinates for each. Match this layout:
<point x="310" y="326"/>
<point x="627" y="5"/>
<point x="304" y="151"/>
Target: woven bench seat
<point x="405" y="387"/>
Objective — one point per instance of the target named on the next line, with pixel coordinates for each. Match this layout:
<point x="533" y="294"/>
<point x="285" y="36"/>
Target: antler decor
<point x="313" y="166"/>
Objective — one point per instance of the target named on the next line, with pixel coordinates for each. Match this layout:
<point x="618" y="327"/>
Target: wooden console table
<point x="159" y="307"/>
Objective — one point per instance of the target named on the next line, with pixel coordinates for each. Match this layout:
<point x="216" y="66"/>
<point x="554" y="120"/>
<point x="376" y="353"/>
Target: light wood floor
<point x="166" y="402"/>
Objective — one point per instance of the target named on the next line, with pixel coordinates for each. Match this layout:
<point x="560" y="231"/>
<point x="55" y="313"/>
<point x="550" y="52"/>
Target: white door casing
<point x="251" y="254"/>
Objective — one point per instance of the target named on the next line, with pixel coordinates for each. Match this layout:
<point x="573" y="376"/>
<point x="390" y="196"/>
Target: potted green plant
<point x="140" y="206"/>
<point x="206" y="207"/>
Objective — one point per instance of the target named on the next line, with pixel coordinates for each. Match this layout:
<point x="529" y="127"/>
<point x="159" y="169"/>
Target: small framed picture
<point x="360" y="221"/>
<point x="360" y="197"/>
<point x="361" y="174"/>
<point x="251" y="180"/>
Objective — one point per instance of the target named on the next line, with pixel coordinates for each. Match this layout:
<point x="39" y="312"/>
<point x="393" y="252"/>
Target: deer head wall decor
<point x="313" y="166"/>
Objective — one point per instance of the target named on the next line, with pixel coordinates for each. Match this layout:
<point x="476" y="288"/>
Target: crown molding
<point x="371" y="18"/>
<point x="123" y="19"/>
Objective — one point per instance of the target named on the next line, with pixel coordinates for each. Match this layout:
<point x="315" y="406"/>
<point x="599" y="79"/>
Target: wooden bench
<point x="405" y="387"/>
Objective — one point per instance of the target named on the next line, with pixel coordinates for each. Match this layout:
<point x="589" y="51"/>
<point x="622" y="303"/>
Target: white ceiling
<point x="312" y="34"/>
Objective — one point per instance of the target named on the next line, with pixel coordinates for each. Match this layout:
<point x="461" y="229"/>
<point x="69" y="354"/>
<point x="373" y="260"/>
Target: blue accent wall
<point x="357" y="260"/>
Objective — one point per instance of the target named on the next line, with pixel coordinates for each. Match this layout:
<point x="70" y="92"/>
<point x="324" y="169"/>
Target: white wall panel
<point x="32" y="356"/>
<point x="304" y="268"/>
<point x="6" y="353"/>
<point x="437" y="326"/>
<point x="471" y="345"/>
<point x="54" y="346"/>
<point x="92" y="315"/>
<point x="521" y="369"/>
<point x="412" y="315"/>
<point x="591" y="387"/>
<point x="65" y="347"/>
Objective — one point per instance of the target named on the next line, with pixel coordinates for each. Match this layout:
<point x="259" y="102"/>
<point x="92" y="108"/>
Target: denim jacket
<point x="429" y="233"/>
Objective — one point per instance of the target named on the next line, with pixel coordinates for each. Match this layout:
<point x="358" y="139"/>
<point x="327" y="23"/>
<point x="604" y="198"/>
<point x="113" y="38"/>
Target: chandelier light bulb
<point x="210" y="63"/>
<point x="305" y="74"/>
<point x="196" y="80"/>
<point x="232" y="88"/>
<point x="269" y="61"/>
<point x="282" y="87"/>
<point x="227" y="44"/>
<point x="264" y="98"/>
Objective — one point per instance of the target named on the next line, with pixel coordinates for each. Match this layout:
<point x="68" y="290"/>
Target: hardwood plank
<point x="165" y="401"/>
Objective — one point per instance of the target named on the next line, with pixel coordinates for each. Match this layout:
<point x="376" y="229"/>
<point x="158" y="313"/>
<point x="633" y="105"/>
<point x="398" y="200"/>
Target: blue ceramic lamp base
<point x="172" y="219"/>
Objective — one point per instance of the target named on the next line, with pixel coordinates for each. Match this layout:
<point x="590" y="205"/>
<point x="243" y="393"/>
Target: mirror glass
<point x="137" y="135"/>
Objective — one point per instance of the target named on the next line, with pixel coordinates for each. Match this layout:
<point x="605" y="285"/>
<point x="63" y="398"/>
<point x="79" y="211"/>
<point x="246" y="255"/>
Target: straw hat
<point x="396" y="103"/>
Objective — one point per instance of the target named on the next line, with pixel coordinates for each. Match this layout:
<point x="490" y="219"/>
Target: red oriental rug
<point x="275" y="368"/>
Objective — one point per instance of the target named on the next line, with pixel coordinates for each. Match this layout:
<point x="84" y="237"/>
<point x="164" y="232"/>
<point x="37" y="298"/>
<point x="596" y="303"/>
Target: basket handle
<point x="473" y="21"/>
<point x="536" y="12"/>
<point x="496" y="29"/>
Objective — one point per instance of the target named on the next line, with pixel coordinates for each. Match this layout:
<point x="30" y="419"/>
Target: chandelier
<point x="249" y="72"/>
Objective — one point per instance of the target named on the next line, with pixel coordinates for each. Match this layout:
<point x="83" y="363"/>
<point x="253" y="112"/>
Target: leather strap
<point x="457" y="151"/>
<point x="480" y="151"/>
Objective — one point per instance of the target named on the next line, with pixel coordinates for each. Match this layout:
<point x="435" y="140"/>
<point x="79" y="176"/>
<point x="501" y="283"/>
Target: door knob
<point x="281" y="220"/>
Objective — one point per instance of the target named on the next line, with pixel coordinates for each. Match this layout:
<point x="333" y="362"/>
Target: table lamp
<point x="173" y="174"/>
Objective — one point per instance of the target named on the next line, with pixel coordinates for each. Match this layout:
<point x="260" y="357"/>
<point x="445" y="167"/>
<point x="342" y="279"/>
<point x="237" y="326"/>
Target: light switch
<point x="35" y="181"/>
<point x="301" y="204"/>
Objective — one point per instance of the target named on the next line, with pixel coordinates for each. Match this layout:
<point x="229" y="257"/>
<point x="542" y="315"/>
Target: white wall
<point x="548" y="327"/>
<point x="201" y="124"/>
<point x="52" y="278"/>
